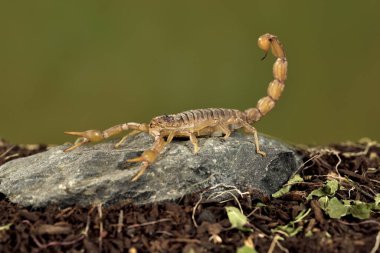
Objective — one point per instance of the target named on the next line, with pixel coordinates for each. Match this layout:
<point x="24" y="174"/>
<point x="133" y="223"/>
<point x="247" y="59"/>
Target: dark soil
<point x="169" y="227"/>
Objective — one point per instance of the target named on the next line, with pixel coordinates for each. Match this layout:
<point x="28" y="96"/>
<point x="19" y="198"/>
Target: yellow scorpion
<point x="201" y="122"/>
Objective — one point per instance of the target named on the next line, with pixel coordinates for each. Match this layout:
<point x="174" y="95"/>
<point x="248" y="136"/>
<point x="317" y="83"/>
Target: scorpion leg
<point x="170" y="137"/>
<point x="225" y="130"/>
<point x="148" y="157"/>
<point x="250" y="129"/>
<point x="97" y="135"/>
<point x="194" y="141"/>
<point x="132" y="133"/>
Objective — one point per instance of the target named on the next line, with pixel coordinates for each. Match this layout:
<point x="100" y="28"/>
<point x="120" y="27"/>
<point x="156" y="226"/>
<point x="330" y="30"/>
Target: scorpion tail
<point x="275" y="88"/>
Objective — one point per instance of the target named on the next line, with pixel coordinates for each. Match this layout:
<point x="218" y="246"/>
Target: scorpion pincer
<point x="201" y="122"/>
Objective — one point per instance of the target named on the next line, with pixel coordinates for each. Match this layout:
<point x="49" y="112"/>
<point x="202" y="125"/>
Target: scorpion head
<point x="161" y="122"/>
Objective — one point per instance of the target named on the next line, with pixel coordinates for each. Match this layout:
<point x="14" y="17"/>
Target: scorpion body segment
<point x="201" y="122"/>
<point x="198" y="121"/>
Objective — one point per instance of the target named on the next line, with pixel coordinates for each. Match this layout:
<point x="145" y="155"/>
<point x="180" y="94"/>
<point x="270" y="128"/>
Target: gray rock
<point x="99" y="173"/>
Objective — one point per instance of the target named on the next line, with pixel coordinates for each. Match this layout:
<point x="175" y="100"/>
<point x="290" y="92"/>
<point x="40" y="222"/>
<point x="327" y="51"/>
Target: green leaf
<point x="360" y="210"/>
<point x="335" y="209"/>
<point x="290" y="229"/>
<point x="237" y="219"/>
<point x="329" y="189"/>
<point x="295" y="179"/>
<point x="377" y="200"/>
<point x="332" y="186"/>
<point x="309" y="233"/>
<point x="323" y="202"/>
<point x="301" y="215"/>
<point x="246" y="249"/>
<point x="317" y="192"/>
<point x="259" y="204"/>
<point x="347" y="202"/>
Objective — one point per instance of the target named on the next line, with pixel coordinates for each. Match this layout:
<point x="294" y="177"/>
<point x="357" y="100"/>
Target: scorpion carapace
<point x="202" y="122"/>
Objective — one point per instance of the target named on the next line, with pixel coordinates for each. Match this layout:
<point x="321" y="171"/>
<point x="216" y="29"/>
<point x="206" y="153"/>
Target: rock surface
<point x="99" y="173"/>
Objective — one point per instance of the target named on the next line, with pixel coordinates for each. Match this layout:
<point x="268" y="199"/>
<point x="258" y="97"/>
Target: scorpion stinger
<point x="201" y="122"/>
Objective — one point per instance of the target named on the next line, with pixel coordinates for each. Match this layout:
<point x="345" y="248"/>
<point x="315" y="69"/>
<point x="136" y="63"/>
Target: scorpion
<point x="202" y="122"/>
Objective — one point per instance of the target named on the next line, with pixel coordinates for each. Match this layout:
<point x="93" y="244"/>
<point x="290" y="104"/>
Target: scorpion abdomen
<point x="192" y="118"/>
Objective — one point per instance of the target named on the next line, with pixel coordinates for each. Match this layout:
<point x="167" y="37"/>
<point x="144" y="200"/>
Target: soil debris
<point x="292" y="222"/>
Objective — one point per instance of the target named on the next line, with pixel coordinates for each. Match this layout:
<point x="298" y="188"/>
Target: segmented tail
<point x="275" y="88"/>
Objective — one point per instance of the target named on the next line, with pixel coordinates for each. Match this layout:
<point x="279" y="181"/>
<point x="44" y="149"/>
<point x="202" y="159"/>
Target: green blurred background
<point x="78" y="65"/>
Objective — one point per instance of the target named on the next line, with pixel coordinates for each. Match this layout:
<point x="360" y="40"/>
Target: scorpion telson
<point x="201" y="122"/>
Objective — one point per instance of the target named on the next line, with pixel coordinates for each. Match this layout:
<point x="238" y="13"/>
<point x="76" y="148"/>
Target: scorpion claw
<point x="90" y="135"/>
<point x="77" y="144"/>
<point x="147" y="158"/>
<point x="140" y="172"/>
<point x="86" y="136"/>
<point x="136" y="159"/>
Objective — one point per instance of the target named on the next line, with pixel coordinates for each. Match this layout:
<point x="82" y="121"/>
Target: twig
<point x="362" y="191"/>
<point x="220" y="193"/>
<point x="336" y="153"/>
<point x="185" y="240"/>
<point x="232" y="195"/>
<point x="120" y="222"/>
<point x="100" y="212"/>
<point x="369" y="188"/>
<point x="360" y="223"/>
<point x="274" y="243"/>
<point x="148" y="223"/>
<point x="164" y="232"/>
<point x="87" y="228"/>
<point x="7" y="151"/>
<point x="376" y="181"/>
<point x="282" y="247"/>
<point x="198" y="183"/>
<point x="215" y="195"/>
<point x="261" y="217"/>
<point x="195" y="208"/>
<point x="65" y="212"/>
<point x="204" y="181"/>
<point x="308" y="160"/>
<point x="377" y="242"/>
<point x="354" y="175"/>
<point x="253" y="211"/>
<point x="37" y="242"/>
<point x="234" y="188"/>
<point x="56" y="243"/>
<point x="369" y="145"/>
<point x="11" y="156"/>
